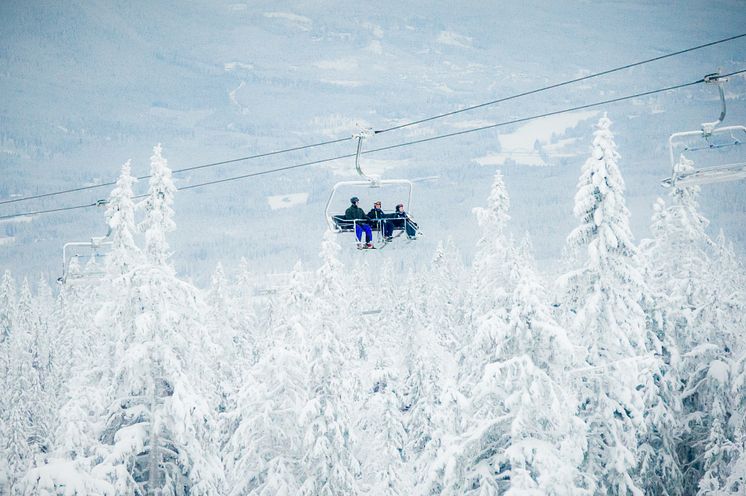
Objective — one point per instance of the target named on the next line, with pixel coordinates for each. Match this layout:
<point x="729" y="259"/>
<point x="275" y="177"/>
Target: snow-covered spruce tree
<point x="700" y="294"/>
<point x="120" y="216"/>
<point x="444" y="308"/>
<point x="659" y="467"/>
<point x="490" y="274"/>
<point x="490" y="286"/>
<point x="157" y="205"/>
<point x="32" y="335"/>
<point x="7" y="316"/>
<point x="14" y="417"/>
<point x="719" y="450"/>
<point x="380" y="425"/>
<point x="523" y="434"/>
<point x="90" y="357"/>
<point x="263" y="453"/>
<point x="223" y="316"/>
<point x="160" y="433"/>
<point x="603" y="298"/>
<point x="424" y="417"/>
<point x="328" y="462"/>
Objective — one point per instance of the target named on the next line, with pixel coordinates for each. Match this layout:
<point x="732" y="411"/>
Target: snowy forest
<point x="621" y="371"/>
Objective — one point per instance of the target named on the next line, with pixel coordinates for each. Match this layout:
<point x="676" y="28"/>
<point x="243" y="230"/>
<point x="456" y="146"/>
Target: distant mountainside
<point x="89" y="85"/>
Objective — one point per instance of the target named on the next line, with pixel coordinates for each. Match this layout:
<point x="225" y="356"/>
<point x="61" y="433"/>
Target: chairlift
<point x="94" y="251"/>
<point x="715" y="172"/>
<point x="337" y="222"/>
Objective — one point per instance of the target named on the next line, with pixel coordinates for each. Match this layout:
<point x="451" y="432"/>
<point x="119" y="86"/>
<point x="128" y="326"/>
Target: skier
<point x="357" y="214"/>
<point x="377" y="215"/>
<point x="409" y="225"/>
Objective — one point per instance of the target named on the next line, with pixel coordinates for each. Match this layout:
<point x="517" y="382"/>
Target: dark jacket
<point x="400" y="214"/>
<point x="376" y="214"/>
<point x="354" y="212"/>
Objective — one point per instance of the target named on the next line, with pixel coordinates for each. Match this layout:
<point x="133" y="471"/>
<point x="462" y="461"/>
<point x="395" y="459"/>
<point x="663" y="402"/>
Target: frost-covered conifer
<point x="719" y="450"/>
<point x="265" y="446"/>
<point x="24" y="429"/>
<point x="445" y="296"/>
<point x="120" y="216"/>
<point x="380" y="425"/>
<point x="158" y="209"/>
<point x="699" y="289"/>
<point x="328" y="462"/>
<point x="522" y="433"/>
<point x="424" y="420"/>
<point x="161" y="430"/>
<point x="7" y="316"/>
<point x="605" y="296"/>
<point x="491" y="262"/>
<point x="490" y="284"/>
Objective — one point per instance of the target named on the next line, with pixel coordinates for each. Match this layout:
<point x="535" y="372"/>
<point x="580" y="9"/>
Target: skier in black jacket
<point x="377" y="215"/>
<point x="409" y="225"/>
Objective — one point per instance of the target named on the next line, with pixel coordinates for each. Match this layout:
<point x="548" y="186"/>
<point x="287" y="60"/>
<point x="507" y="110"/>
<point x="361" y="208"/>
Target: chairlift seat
<point x="345" y="225"/>
<point x="715" y="174"/>
<point x="342" y="224"/>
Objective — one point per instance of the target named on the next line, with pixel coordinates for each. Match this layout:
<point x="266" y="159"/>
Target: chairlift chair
<point x="95" y="250"/>
<point x="710" y="173"/>
<point x="337" y="222"/>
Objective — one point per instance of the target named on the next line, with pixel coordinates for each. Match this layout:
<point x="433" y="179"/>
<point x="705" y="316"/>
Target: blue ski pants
<point x="359" y="228"/>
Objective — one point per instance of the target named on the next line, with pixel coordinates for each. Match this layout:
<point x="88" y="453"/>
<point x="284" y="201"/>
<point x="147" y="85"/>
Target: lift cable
<point x="440" y="116"/>
<point x="558" y="85"/>
<point x="399" y="145"/>
<point x="176" y="171"/>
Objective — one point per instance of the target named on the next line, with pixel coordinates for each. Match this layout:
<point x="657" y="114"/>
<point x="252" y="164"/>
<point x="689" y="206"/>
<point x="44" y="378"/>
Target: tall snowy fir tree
<point x="521" y="433"/>
<point x="158" y="210"/>
<point x="700" y="296"/>
<point x="120" y="216"/>
<point x="328" y="460"/>
<point x="265" y="446"/>
<point x="605" y="296"/>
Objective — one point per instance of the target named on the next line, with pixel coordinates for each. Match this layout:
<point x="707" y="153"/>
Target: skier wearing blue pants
<point x="358" y="214"/>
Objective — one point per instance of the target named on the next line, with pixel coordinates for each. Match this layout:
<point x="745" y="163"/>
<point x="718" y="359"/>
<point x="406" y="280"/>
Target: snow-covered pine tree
<point x="444" y="308"/>
<point x="523" y="434"/>
<point x="120" y="216"/>
<point x="380" y="425"/>
<point x="423" y="420"/>
<point x="160" y="434"/>
<point x="223" y="320"/>
<point x="329" y="466"/>
<point x="264" y="449"/>
<point x="7" y="316"/>
<point x="605" y="297"/>
<point x="490" y="285"/>
<point x="659" y="467"/>
<point x="490" y="274"/>
<point x="158" y="209"/>
<point x="700" y="295"/>
<point x="26" y="422"/>
<point x="719" y="450"/>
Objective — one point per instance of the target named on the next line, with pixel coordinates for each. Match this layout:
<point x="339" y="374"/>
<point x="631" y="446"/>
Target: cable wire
<point x="420" y="121"/>
<point x="563" y="83"/>
<point x="399" y="145"/>
<point x="176" y="171"/>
